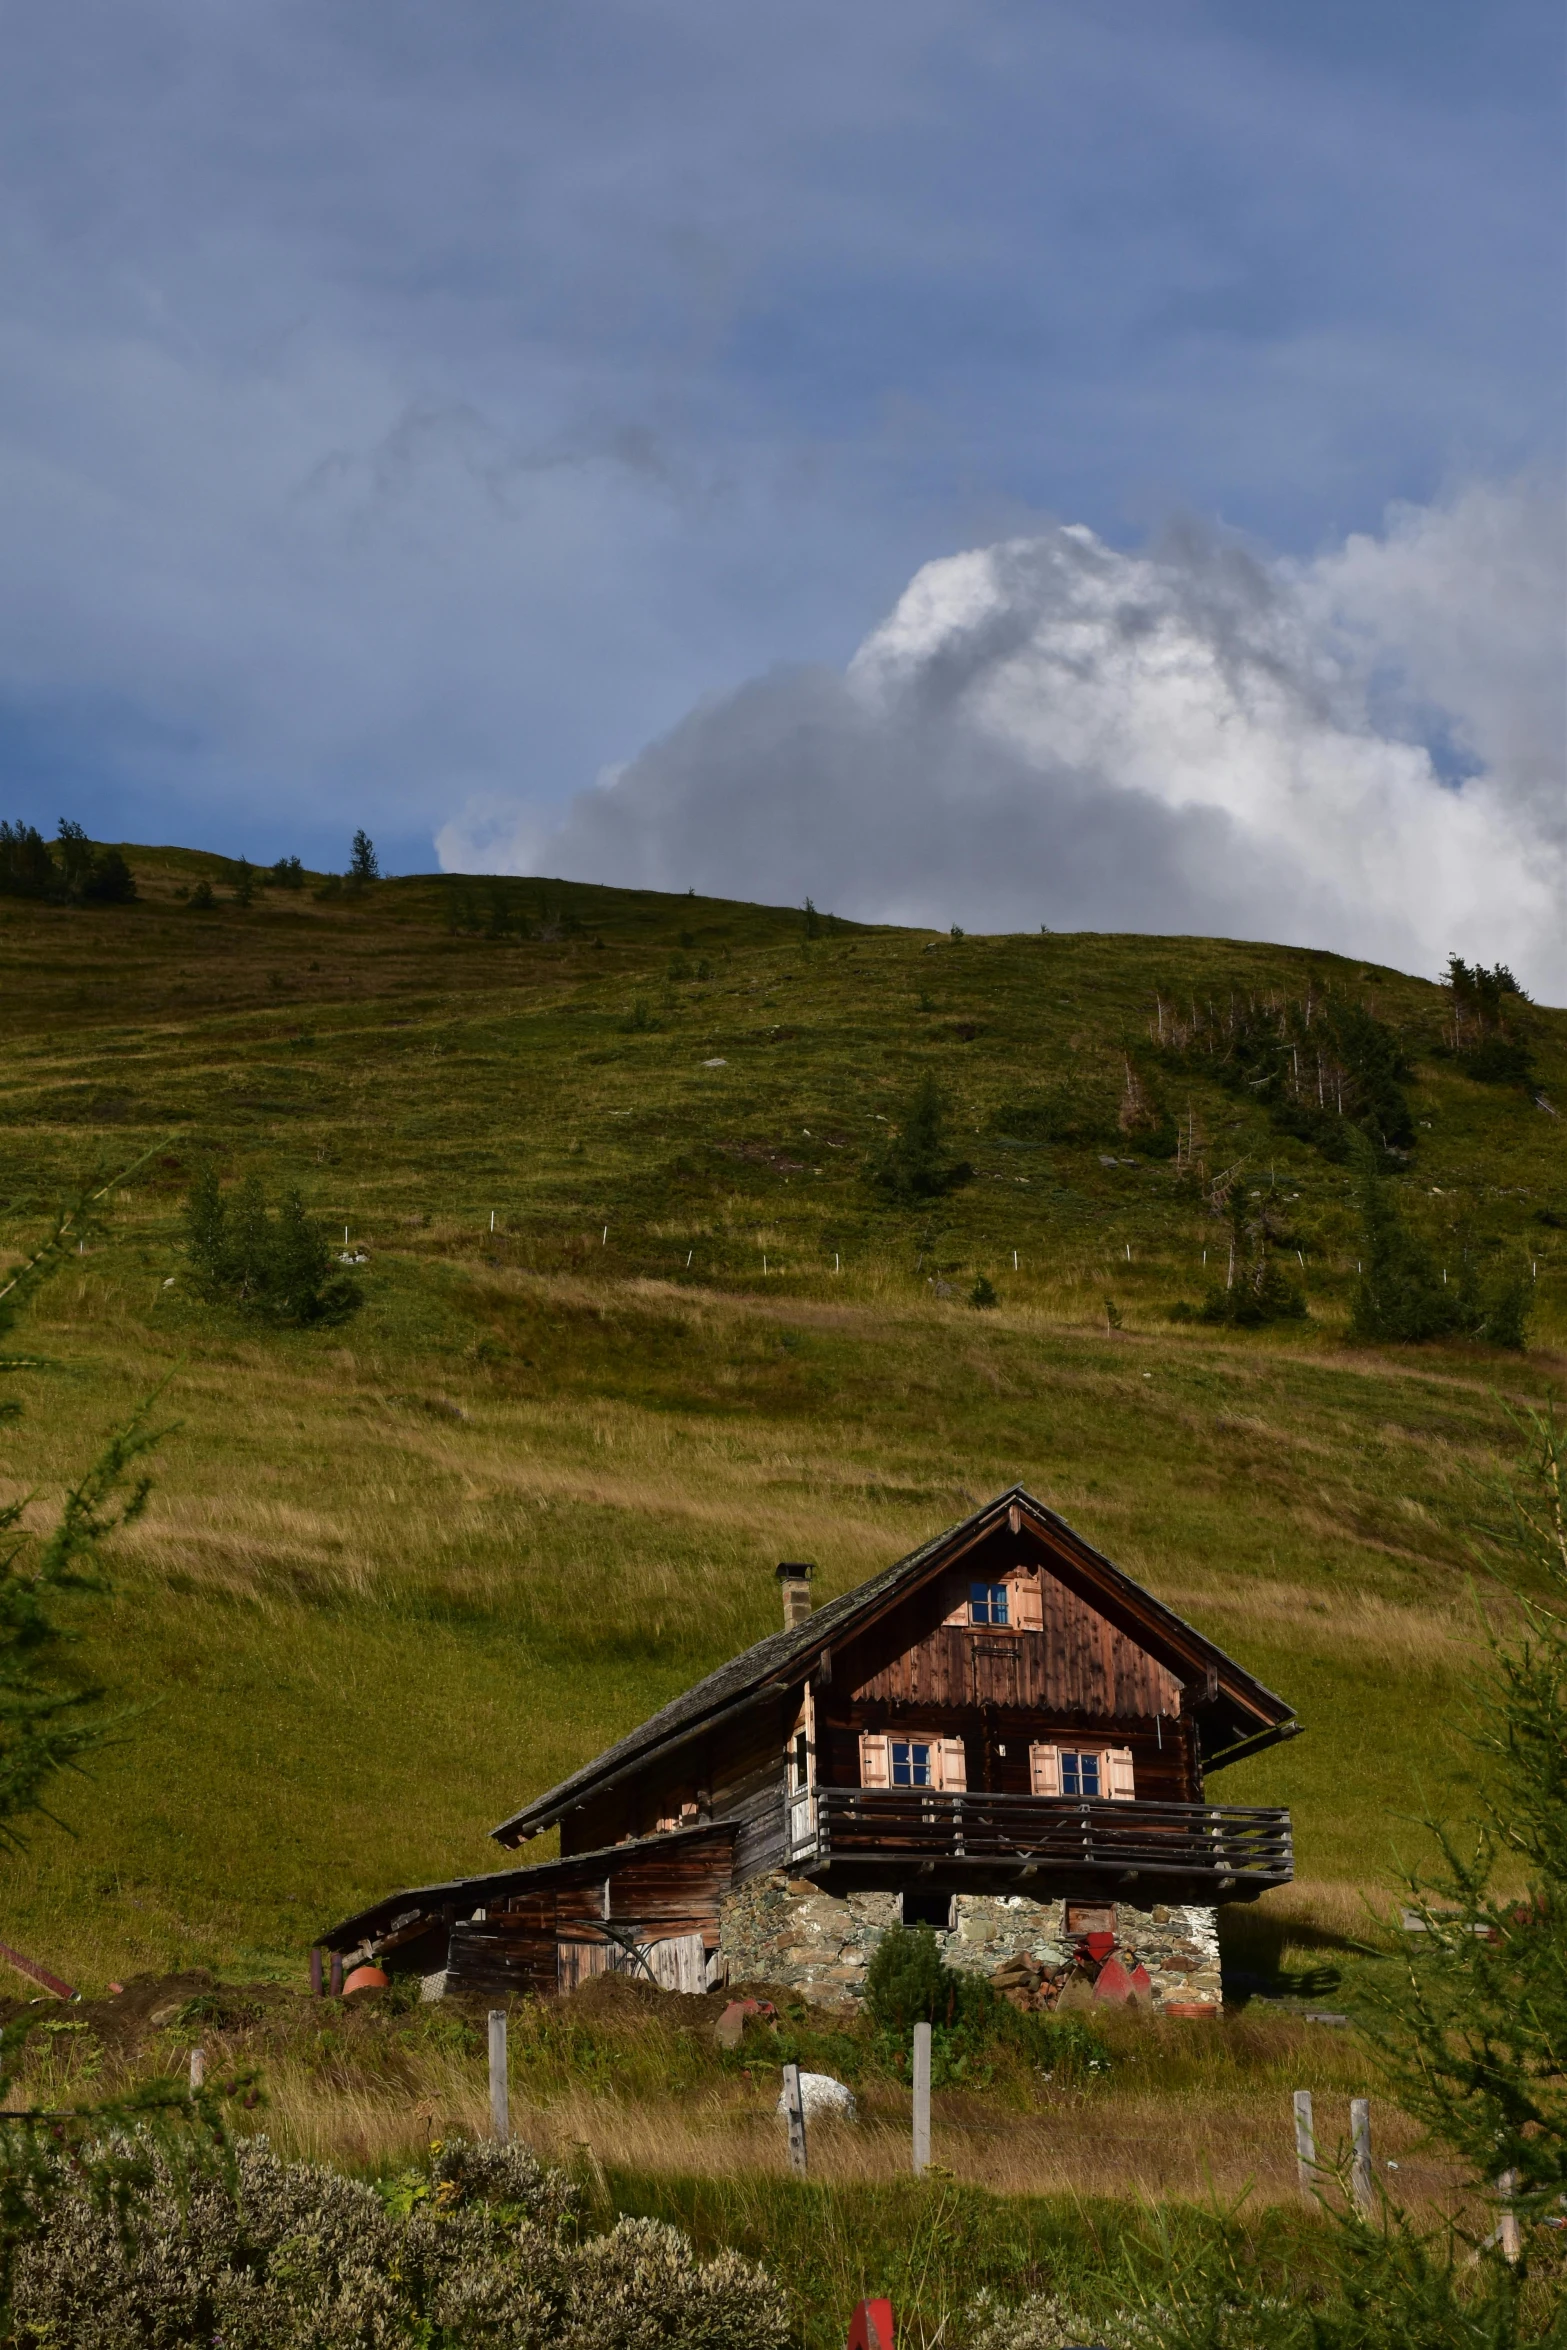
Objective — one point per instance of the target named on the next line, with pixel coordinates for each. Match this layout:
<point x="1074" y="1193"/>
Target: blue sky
<point x="406" y="411"/>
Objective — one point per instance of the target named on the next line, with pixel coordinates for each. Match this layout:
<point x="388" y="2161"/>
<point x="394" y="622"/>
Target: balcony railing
<point x="1172" y="1850"/>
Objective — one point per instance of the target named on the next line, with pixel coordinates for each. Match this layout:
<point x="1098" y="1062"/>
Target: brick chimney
<point x="795" y="1582"/>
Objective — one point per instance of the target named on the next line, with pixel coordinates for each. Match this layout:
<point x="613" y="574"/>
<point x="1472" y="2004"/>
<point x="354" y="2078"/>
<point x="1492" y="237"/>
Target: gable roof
<point x="1236" y="1714"/>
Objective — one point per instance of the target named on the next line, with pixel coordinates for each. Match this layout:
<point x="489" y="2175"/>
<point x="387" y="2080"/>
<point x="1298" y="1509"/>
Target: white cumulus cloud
<point x="1364" y="752"/>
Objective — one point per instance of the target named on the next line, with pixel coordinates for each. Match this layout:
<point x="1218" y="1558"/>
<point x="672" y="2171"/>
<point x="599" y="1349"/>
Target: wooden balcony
<point x="855" y="1839"/>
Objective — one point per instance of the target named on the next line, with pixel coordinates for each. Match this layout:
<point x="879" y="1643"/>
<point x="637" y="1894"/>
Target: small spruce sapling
<point x="914" y="1163"/>
<point x="281" y="1264"/>
<point x="364" y="866"/>
<point x="50" y="1719"/>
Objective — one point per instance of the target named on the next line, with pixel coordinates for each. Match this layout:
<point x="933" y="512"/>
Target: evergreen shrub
<point x="280" y="1264"/>
<point x="914" y="1162"/>
<point x="1401" y="1295"/>
<point x="973" y="2029"/>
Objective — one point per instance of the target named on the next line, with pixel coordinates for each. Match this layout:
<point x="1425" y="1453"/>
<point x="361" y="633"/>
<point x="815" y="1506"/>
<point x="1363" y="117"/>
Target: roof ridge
<point x="746" y="1674"/>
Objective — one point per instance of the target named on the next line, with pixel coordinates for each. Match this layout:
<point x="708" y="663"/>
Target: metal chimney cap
<point x="794" y="1571"/>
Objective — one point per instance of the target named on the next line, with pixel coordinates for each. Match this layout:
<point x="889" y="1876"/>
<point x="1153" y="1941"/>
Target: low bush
<point x="483" y="2246"/>
<point x="974" y="2031"/>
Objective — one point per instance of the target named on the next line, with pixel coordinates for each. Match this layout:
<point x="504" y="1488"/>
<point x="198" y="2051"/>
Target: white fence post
<point x="921" y="2100"/>
<point x="1508" y="2234"/>
<point x="1305" y="2145"/>
<point x="1360" y="2167"/>
<point x="198" y="2068"/>
<point x="500" y="2094"/>
<point x="794" y="2107"/>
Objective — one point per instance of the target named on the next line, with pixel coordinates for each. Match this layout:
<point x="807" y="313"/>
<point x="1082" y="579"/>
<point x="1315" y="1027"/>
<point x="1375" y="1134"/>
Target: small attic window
<point x="987" y="1603"/>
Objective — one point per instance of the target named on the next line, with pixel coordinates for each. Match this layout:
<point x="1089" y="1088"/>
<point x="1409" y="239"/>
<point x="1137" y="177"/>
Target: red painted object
<point x="1113" y="1982"/>
<point x="870" y="2328"/>
<point x="366" y="1978"/>
<point x="1098" y="1946"/>
<point x="729" y="2030"/>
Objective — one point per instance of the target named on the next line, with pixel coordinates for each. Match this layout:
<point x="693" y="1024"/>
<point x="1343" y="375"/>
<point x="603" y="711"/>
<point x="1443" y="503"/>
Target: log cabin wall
<point x="653" y="1897"/>
<point x="1060" y="1670"/>
<point x="996" y="1745"/>
<point x="736" y="1773"/>
<point x="1078" y="1661"/>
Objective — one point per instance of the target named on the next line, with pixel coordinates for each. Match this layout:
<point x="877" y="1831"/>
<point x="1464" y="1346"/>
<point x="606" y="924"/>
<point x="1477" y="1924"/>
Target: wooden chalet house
<point x="1002" y="1723"/>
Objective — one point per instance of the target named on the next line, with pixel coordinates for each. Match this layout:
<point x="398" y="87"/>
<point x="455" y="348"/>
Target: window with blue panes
<point x="1079" y="1773"/>
<point x="910" y="1763"/>
<point x="987" y="1603"/>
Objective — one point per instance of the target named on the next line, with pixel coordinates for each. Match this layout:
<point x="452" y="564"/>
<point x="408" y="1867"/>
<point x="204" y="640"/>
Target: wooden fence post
<point x="1508" y="2234"/>
<point x="337" y="1974"/>
<point x="1360" y="2166"/>
<point x="794" y="2107"/>
<point x="500" y="2094"/>
<point x="921" y="2100"/>
<point x="198" y="2068"/>
<point x="1305" y="2145"/>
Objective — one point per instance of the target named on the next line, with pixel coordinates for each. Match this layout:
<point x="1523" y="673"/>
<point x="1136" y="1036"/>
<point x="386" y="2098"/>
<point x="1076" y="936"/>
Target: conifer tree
<point x="75" y="852"/>
<point x="50" y="1719"/>
<point x="914" y="1162"/>
<point x="1475" y="2037"/>
<point x="364" y="865"/>
<point x="1400" y="1294"/>
<point x="275" y="1264"/>
<point x="27" y="870"/>
<point x="301" y="1266"/>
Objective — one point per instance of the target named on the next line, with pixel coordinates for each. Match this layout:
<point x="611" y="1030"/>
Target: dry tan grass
<point x="1115" y="2143"/>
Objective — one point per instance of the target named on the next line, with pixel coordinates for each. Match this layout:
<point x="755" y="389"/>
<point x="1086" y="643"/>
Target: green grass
<point x="400" y="1575"/>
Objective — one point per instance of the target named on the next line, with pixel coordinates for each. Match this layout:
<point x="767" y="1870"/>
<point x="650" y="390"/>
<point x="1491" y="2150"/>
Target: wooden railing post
<point x="1305" y="2145"/>
<point x="794" y="2112"/>
<point x="1360" y="2165"/>
<point x="921" y="2100"/>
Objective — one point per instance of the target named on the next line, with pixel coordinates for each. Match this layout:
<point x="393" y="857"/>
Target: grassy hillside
<point x="402" y="1573"/>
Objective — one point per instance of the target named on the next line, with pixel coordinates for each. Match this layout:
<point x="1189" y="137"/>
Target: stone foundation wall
<point x="784" y="1930"/>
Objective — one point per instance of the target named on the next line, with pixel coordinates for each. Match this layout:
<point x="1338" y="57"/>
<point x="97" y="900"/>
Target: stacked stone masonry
<point x="784" y="1930"/>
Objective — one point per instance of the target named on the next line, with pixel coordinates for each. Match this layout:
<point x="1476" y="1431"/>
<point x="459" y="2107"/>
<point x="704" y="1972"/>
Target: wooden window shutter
<point x="958" y="1596"/>
<point x="1026" y="1610"/>
<point x="1120" y="1780"/>
<point x="875" y="1760"/>
<point x="951" y="1764"/>
<point x="1044" y="1769"/>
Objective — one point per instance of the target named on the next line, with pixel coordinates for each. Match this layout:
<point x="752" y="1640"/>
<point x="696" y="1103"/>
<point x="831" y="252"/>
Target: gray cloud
<point x="1192" y="739"/>
<point x="398" y="403"/>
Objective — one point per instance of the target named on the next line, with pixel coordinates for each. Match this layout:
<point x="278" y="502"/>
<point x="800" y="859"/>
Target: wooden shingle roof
<point x="1235" y="1712"/>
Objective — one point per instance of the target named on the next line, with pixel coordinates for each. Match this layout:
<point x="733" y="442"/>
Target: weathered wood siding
<point x="1078" y="1662"/>
<point x="736" y="1773"/>
<point x="1164" y="1758"/>
<point x="538" y="1938"/>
